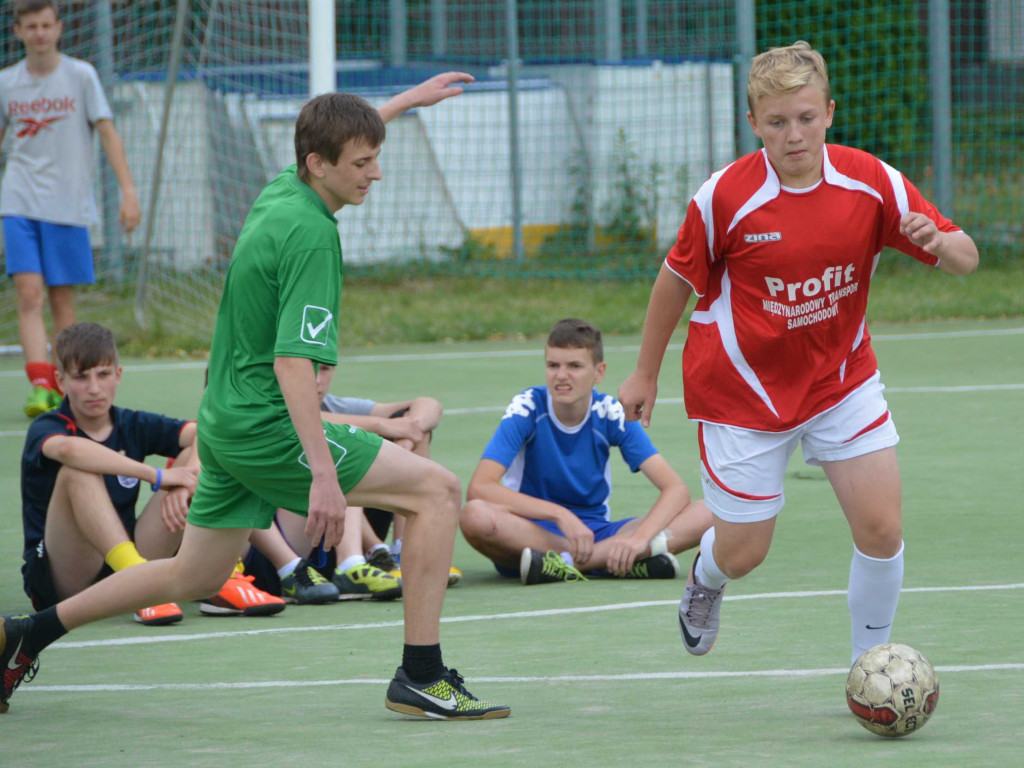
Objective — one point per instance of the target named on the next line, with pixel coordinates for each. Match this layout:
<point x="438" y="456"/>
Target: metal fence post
<point x="941" y="87"/>
<point x="512" y="25"/>
<point x="746" y="44"/>
<point x="112" y="261"/>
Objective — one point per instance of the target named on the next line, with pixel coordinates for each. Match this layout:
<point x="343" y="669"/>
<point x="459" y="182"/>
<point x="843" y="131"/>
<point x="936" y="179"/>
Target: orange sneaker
<point x="238" y="597"/>
<point x="159" y="615"/>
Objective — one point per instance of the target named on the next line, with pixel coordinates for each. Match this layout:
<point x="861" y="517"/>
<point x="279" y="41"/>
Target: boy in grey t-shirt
<point x="52" y="103"/>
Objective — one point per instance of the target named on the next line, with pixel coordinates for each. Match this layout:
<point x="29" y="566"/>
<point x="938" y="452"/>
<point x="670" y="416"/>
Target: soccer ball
<point x="892" y="690"/>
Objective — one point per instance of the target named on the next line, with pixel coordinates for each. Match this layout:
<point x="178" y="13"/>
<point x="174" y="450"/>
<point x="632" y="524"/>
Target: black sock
<point x="422" y="663"/>
<point x="46" y="629"/>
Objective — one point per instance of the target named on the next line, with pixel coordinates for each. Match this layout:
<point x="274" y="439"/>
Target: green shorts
<point x="243" y="486"/>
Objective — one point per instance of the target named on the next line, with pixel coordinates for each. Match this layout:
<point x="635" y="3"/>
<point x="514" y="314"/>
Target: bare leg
<point x="428" y="495"/>
<point x="501" y="535"/>
<point x="31" y="327"/>
<point x="200" y="568"/>
<point x="62" y="306"/>
<point x="869" y="490"/>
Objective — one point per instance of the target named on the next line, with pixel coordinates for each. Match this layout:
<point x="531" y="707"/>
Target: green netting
<point x="624" y="108"/>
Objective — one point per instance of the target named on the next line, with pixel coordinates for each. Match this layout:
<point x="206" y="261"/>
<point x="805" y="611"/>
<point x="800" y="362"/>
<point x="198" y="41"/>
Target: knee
<point x="881" y="539"/>
<point x="477" y="521"/>
<point x="75" y="479"/>
<point x="737" y="564"/>
<point x="444" y="492"/>
<point x="30" y="298"/>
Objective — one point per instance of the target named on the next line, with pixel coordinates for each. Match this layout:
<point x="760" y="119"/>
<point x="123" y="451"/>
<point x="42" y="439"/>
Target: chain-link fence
<point x="621" y="109"/>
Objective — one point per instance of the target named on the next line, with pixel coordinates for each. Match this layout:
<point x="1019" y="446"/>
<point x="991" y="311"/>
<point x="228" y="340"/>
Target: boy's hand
<point x="438" y="88"/>
<point x="637" y="395"/>
<point x="579" y="536"/>
<point x="174" y="509"/>
<point x="131" y="214"/>
<point x="181" y="477"/>
<point x="402" y="428"/>
<point x="922" y="232"/>
<point x="326" y="516"/>
<point x="623" y="553"/>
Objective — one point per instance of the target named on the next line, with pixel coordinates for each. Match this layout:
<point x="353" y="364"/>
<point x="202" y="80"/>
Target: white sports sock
<point x="872" y="596"/>
<point x="396" y="548"/>
<point x="289" y="569"/>
<point x="350" y="562"/>
<point x="707" y="572"/>
<point x="567" y="559"/>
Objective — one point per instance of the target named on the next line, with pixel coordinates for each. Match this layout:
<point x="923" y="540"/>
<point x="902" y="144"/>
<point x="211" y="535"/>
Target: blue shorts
<point x="61" y="253"/>
<point x="602" y="530"/>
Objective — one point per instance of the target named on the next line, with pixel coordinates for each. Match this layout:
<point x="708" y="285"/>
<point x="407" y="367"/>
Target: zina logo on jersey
<point x="763" y="237"/>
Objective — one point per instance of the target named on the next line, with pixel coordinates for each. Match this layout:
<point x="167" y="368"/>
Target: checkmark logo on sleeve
<point x="314" y="324"/>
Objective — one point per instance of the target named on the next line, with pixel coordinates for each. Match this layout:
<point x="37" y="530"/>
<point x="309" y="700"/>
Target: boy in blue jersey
<point x="538" y="500"/>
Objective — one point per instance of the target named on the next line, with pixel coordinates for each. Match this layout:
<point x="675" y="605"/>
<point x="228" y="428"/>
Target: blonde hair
<point x="785" y="70"/>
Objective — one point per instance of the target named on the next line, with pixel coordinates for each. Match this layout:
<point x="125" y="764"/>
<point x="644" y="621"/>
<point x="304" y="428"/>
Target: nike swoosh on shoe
<point x="450" y="703"/>
<point x="689" y="639"/>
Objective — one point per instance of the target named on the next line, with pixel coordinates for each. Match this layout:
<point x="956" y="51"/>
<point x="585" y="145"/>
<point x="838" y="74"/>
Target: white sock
<point x="567" y="559"/>
<point x="350" y="562"/>
<point x="872" y="596"/>
<point x="707" y="572"/>
<point x="377" y="548"/>
<point x="396" y="547"/>
<point x="289" y="569"/>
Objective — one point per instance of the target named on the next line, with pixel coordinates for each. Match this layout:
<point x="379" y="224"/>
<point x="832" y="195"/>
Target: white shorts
<point x="742" y="469"/>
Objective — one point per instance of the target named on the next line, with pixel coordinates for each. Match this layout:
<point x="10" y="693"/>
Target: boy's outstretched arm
<point x="668" y="300"/>
<point x="486" y="485"/>
<point x="90" y="456"/>
<point x="671" y="501"/>
<point x="426" y="94"/>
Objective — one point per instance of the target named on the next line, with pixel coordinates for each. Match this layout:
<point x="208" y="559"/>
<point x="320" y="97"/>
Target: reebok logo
<point x="314" y="322"/>
<point x="450" y="703"/>
<point x="33" y="126"/>
<point x="44" y="105"/>
<point x="763" y="237"/>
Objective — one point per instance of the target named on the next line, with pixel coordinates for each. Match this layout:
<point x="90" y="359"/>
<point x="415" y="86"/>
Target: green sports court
<point x="595" y="673"/>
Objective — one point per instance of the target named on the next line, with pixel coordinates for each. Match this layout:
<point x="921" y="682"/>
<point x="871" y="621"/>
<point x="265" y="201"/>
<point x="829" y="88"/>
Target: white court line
<point x="888" y="390"/>
<point x="483" y="354"/>
<point x="637" y="676"/>
<point x="678" y="400"/>
<point x="150" y="639"/>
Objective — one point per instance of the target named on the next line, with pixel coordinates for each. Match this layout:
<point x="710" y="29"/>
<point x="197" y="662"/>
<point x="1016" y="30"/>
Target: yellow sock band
<point x="124" y="555"/>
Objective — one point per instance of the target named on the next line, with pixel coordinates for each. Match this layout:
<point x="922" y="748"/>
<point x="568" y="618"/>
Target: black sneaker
<point x="538" y="568"/>
<point x="444" y="699"/>
<point x="382" y="559"/>
<point x="305" y="586"/>
<point x="16" y="664"/>
<point x="663" y="566"/>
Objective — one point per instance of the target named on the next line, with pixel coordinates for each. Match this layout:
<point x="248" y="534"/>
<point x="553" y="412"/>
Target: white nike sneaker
<point x="444" y="699"/>
<point x="698" y="615"/>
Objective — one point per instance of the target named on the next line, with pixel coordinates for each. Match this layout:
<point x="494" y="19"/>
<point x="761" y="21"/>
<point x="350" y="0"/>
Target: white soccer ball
<point x="892" y="690"/>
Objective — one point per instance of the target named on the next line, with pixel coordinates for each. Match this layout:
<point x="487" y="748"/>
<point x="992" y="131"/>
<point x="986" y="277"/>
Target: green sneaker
<point x="664" y="566"/>
<point x="39" y="401"/>
<point x="444" y="699"/>
<point x="535" y="568"/>
<point x="364" y="582"/>
<point x="56" y="398"/>
<point x="305" y="586"/>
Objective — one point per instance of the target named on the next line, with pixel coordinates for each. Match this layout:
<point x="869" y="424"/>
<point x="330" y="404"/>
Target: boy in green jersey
<point x="262" y="443"/>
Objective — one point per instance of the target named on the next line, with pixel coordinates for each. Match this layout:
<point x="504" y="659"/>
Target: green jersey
<point x="281" y="297"/>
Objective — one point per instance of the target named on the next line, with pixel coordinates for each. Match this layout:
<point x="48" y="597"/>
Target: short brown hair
<point x="327" y="122"/>
<point x="82" y="346"/>
<point x="784" y="70"/>
<point x="572" y="333"/>
<point x="21" y="7"/>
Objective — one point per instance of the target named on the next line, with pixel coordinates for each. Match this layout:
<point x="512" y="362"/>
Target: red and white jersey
<point x="49" y="174"/>
<point x="779" y="334"/>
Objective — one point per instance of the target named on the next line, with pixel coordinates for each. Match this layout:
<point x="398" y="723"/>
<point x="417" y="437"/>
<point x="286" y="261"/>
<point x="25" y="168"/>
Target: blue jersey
<point x="136" y="434"/>
<point x="569" y="466"/>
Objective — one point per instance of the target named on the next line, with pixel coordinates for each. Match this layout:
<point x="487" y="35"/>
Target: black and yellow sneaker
<point x="544" y="568"/>
<point x="16" y="665"/>
<point x="305" y="586"/>
<point x="444" y="699"/>
<point x="663" y="566"/>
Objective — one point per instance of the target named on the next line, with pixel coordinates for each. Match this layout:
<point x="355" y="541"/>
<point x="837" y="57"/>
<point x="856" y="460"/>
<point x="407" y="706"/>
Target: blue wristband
<point x="159" y="479"/>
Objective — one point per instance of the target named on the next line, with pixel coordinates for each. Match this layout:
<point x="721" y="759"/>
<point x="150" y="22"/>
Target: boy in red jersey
<point x="780" y="247"/>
